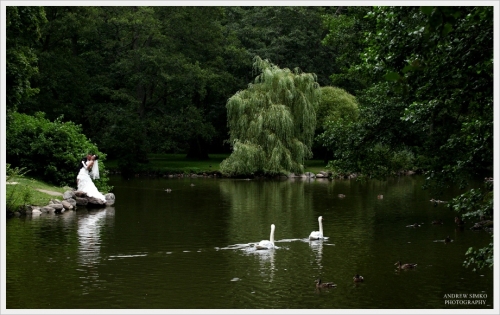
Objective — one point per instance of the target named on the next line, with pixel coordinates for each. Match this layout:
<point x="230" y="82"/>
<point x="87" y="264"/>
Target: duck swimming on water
<point x="320" y="284"/>
<point x="358" y="278"/>
<point x="405" y="266"/>
<point x="413" y="225"/>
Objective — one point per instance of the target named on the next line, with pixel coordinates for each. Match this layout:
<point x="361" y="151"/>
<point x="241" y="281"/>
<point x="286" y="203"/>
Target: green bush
<point x="50" y="150"/>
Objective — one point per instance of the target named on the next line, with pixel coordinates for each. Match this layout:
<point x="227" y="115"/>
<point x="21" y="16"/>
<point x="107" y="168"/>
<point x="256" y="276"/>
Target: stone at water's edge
<point x="47" y="209"/>
<point x="95" y="202"/>
<point x="72" y="199"/>
<point x="80" y="194"/>
<point x="68" y="194"/>
<point x="110" y="199"/>
<point x="67" y="205"/>
<point x="80" y="198"/>
<point x="56" y="206"/>
<point x="81" y="201"/>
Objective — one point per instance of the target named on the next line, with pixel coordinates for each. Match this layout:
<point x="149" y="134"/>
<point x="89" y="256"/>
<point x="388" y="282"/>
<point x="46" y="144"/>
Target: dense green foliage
<point x="272" y="122"/>
<point x="348" y="29"/>
<point x="50" y="150"/>
<point x="290" y="37"/>
<point x="375" y="145"/>
<point x="443" y="66"/>
<point x="23" y="31"/>
<point x="336" y="106"/>
<point x="428" y="74"/>
<point x="138" y="78"/>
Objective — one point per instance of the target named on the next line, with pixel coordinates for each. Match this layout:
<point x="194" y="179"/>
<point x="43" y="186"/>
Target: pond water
<point x="187" y="249"/>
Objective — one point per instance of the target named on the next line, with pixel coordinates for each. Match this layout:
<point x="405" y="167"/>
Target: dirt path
<point x="53" y="193"/>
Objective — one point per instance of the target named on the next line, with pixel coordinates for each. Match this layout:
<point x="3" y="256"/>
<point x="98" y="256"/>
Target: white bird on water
<point x="316" y="235"/>
<point x="267" y="244"/>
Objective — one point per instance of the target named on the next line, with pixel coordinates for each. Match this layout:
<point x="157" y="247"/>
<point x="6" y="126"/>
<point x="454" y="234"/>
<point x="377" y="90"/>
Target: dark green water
<point x="181" y="250"/>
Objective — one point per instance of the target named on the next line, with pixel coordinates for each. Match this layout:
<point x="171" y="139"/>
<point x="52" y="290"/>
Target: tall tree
<point x="23" y="26"/>
<point x="272" y="122"/>
<point x="289" y="37"/>
<point x="336" y="106"/>
<point x="65" y="79"/>
<point x="347" y="30"/>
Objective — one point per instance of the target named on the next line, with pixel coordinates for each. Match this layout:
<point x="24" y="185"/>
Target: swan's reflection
<point x="89" y="237"/>
<point x="317" y="248"/>
<point x="266" y="261"/>
<point x="265" y="256"/>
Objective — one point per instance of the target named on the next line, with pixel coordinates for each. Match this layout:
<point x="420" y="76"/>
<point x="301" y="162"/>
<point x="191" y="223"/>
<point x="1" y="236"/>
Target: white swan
<point x="267" y="244"/>
<point x="316" y="235"/>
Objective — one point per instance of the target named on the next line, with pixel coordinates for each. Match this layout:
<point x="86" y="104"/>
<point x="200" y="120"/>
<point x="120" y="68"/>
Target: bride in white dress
<point x="85" y="183"/>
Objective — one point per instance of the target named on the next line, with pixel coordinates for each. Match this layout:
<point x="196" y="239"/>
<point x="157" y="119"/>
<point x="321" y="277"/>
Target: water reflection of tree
<point x="255" y="205"/>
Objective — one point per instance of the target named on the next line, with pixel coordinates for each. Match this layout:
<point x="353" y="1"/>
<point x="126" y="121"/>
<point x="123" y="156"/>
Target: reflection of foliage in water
<point x="254" y="206"/>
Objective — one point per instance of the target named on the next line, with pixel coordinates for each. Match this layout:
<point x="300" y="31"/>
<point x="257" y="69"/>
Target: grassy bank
<point x="24" y="190"/>
<point x="179" y="164"/>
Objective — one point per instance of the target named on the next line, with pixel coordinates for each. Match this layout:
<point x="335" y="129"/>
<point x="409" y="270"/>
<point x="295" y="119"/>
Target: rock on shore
<point x="71" y="200"/>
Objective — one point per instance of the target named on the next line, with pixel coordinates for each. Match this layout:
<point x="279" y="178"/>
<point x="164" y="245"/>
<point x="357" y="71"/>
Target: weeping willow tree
<point x="272" y="122"/>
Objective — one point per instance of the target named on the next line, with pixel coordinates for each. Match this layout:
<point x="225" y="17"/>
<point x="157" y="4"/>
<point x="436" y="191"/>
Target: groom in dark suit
<point x="85" y="159"/>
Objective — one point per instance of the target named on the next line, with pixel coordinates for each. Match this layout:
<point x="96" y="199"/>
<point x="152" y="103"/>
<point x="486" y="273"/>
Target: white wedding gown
<point x="86" y="184"/>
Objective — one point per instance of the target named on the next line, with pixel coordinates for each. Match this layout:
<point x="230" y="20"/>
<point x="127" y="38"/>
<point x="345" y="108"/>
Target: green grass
<point x="314" y="166"/>
<point x="25" y="192"/>
<point x="178" y="163"/>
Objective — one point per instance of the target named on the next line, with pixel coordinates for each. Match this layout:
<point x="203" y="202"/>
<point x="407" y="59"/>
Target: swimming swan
<point x="316" y="235"/>
<point x="267" y="244"/>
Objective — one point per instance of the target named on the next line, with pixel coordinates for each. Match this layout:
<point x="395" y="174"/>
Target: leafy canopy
<point x="272" y="122"/>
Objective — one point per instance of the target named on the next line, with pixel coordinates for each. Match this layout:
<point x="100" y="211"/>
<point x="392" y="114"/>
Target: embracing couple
<point x="89" y="169"/>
